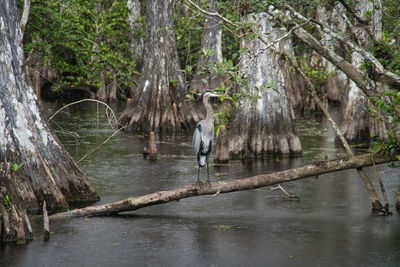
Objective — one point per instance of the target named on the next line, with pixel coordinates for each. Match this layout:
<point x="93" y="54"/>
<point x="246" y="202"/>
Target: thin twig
<point x="285" y="192"/>
<point x="85" y="100"/>
<point x="101" y="145"/>
<point x="213" y="14"/>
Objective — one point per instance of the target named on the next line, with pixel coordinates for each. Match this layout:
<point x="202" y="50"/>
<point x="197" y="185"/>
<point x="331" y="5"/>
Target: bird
<point x="203" y="135"/>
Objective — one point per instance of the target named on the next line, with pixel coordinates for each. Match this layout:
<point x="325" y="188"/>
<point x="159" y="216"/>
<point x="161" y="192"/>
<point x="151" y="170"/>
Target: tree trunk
<point x="398" y="201"/>
<point x="25" y="14"/>
<point x="37" y="80"/>
<point x="358" y="124"/>
<point x="214" y="188"/>
<point x="264" y="125"/>
<point x="203" y="79"/>
<point x="364" y="82"/>
<point x="108" y="90"/>
<point x="136" y="38"/>
<point x="102" y="93"/>
<point x="113" y="89"/>
<point x="211" y="40"/>
<point x="33" y="164"/>
<point x="160" y="105"/>
<point x="135" y="31"/>
<point x="334" y="86"/>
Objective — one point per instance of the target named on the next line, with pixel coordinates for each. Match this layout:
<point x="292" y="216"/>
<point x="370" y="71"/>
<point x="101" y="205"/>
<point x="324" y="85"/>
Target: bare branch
<point x="109" y="109"/>
<point x="25" y="15"/>
<point x="387" y="76"/>
<point x="360" y="19"/>
<point x="213" y="14"/>
<point x="101" y="145"/>
<point x="371" y="191"/>
<point x="285" y="192"/>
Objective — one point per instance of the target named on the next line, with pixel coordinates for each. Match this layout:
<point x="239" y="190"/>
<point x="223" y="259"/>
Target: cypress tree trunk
<point x="211" y="40"/>
<point x="136" y="38"/>
<point x="264" y="125"/>
<point x="358" y="124"/>
<point x="135" y="31"/>
<point x="159" y="105"/>
<point x="203" y="79"/>
<point x="334" y="86"/>
<point x="33" y="164"/>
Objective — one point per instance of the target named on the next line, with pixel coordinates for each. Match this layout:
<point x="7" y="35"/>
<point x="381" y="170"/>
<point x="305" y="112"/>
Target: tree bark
<point x="135" y="31"/>
<point x="211" y="40"/>
<point x="25" y="14"/>
<point x="214" y="188"/>
<point x="267" y="124"/>
<point x="136" y="38"/>
<point x="33" y="164"/>
<point x="357" y="124"/>
<point x="340" y="62"/>
<point x="333" y="88"/>
<point x="203" y="79"/>
<point x="160" y="105"/>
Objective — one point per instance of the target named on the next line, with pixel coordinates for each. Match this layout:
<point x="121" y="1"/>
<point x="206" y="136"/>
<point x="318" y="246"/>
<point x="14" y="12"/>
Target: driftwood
<point x="215" y="188"/>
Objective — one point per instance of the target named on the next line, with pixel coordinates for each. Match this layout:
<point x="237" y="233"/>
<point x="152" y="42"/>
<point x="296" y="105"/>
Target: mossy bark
<point x="266" y="124"/>
<point x="33" y="164"/>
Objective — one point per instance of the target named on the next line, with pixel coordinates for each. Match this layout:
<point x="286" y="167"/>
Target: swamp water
<point x="330" y="225"/>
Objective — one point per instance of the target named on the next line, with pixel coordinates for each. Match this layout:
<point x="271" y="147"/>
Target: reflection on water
<point x="331" y="225"/>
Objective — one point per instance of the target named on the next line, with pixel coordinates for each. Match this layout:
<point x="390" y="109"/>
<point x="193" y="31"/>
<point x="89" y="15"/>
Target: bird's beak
<point x="215" y="94"/>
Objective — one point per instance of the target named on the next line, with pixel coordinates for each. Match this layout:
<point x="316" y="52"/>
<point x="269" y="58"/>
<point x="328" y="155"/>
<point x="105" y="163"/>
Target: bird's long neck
<point x="209" y="109"/>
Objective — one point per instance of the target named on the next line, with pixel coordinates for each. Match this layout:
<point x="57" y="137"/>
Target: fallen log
<point x="215" y="188"/>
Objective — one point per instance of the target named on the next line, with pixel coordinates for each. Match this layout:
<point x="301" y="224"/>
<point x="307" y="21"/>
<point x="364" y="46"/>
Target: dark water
<point x="330" y="226"/>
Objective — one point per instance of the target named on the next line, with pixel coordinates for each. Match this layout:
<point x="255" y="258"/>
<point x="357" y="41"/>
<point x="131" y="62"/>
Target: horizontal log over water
<point x="160" y="197"/>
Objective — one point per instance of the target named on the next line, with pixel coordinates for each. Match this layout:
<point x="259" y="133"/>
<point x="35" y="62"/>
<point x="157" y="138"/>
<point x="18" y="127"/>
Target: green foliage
<point x="390" y="145"/>
<point x="53" y="172"/>
<point x="317" y="72"/>
<point x="188" y="32"/>
<point x="16" y="166"/>
<point x="80" y="39"/>
<point x="387" y="102"/>
<point x="391" y="20"/>
<point x="7" y="202"/>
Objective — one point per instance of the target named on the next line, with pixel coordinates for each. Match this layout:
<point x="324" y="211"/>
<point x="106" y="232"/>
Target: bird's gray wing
<point x="197" y="137"/>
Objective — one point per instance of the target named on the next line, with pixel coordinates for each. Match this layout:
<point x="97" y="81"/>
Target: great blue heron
<point x="203" y="135"/>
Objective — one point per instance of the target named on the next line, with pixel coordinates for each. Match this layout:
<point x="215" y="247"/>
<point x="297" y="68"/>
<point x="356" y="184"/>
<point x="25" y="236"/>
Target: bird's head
<point x="210" y="93"/>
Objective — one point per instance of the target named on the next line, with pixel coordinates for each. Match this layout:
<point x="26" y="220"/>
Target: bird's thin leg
<point x="208" y="173"/>
<point x="198" y="174"/>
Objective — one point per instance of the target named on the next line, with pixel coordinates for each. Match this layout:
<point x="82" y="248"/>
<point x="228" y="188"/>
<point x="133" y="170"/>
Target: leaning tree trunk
<point x="33" y="164"/>
<point x="358" y="124"/>
<point x="266" y="124"/>
<point x="160" y="105"/>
